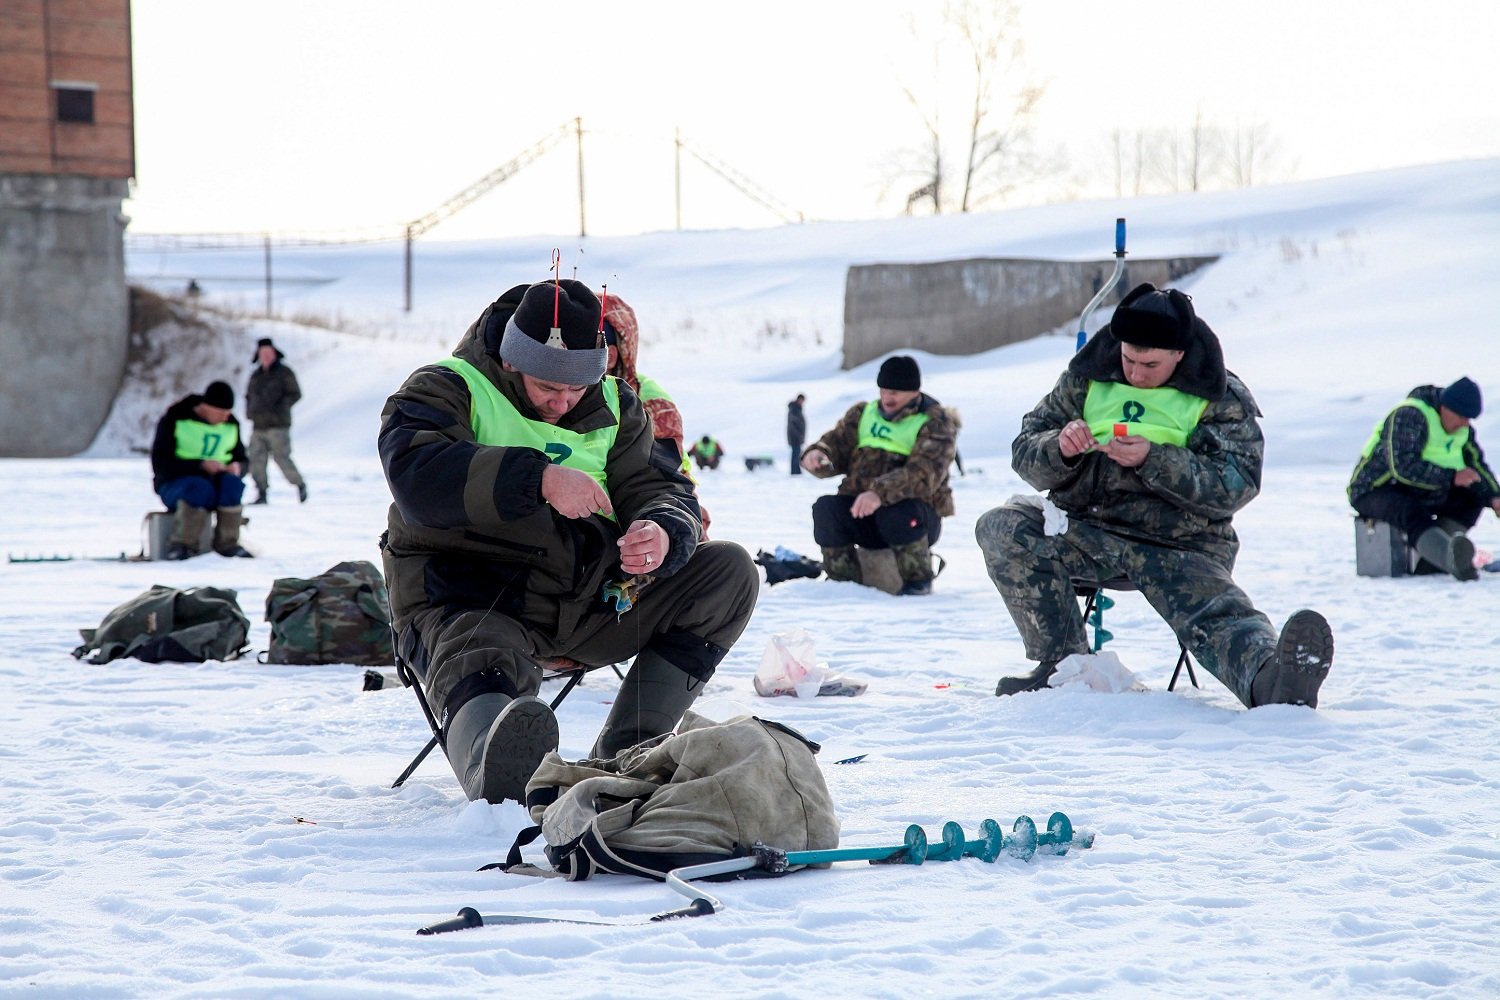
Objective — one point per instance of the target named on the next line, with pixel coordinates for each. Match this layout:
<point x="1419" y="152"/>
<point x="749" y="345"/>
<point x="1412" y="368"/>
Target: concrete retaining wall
<point x="64" y="311"/>
<point x="969" y="306"/>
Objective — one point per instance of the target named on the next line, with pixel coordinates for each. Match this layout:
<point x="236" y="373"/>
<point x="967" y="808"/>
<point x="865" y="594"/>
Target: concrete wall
<point x="64" y="311"/>
<point x="969" y="306"/>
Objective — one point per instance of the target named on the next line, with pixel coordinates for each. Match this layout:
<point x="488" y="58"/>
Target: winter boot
<point x="302" y="493"/>
<point x="260" y="496"/>
<point x="841" y="563"/>
<point x="188" y="526"/>
<point x="914" y="563"/>
<point x="227" y="532"/>
<point x="1450" y="551"/>
<point x="650" y="702"/>
<point x="1034" y="681"/>
<point x="1293" y="674"/>
<point x="877" y="568"/>
<point x="495" y="744"/>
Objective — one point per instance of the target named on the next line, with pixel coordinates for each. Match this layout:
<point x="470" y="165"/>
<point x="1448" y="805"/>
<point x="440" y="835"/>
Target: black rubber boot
<point x="1295" y="672"/>
<point x="1034" y="681"/>
<point x="1450" y="551"/>
<point x="650" y="702"/>
<point x="495" y="743"/>
<point x="260" y="497"/>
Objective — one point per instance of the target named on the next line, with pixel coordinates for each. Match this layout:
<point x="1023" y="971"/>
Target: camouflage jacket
<point x="922" y="475"/>
<point x="468" y="527"/>
<point x="1397" y="458"/>
<point x="1183" y="497"/>
<point x="270" y="395"/>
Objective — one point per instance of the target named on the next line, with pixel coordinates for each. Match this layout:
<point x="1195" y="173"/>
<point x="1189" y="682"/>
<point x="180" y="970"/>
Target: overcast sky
<point x="285" y="115"/>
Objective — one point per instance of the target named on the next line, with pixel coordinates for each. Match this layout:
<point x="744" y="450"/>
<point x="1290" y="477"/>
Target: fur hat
<point x="265" y="342"/>
<point x="1151" y="317"/>
<point x="575" y="354"/>
<point x="1463" y="398"/>
<point x="219" y="394"/>
<point x="900" y="373"/>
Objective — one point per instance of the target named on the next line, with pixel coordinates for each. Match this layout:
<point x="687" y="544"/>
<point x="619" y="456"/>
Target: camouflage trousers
<point x="271" y="442"/>
<point x="1036" y="574"/>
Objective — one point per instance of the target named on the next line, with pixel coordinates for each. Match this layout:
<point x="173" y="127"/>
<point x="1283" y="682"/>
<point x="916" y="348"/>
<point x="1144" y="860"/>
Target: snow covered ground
<point x="148" y="845"/>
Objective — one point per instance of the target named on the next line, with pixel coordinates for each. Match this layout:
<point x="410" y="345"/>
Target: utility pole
<point x="582" y="228"/>
<point x="409" y="237"/>
<point x="268" y="275"/>
<point x="677" y="171"/>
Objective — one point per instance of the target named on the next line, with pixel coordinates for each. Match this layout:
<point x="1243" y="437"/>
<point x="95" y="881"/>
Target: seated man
<point x="894" y="452"/>
<point x="1422" y="471"/>
<point x="1148" y="445"/>
<point x="706" y="452"/>
<point x="524" y="482"/>
<point x="197" y="459"/>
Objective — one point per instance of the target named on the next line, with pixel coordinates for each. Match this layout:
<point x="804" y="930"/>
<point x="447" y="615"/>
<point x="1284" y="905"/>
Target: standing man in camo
<point x="268" y="405"/>
<point x="1146" y="447"/>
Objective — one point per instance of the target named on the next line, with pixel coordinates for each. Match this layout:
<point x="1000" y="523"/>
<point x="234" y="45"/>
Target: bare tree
<point x="1000" y="109"/>
<point x="1250" y="151"/>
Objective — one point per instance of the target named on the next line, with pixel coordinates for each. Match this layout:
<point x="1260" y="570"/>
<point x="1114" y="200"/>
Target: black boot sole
<point x="522" y="734"/>
<point x="1303" y="656"/>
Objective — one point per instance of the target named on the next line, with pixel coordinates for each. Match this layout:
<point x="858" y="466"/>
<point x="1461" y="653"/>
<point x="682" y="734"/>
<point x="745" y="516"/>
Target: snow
<point x="148" y="845"/>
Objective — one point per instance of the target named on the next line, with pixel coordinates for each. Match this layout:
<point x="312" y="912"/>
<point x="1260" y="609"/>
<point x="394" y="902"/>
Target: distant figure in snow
<point x="706" y="452"/>
<point x="272" y="392"/>
<point x="197" y="459"/>
<point x="893" y="452"/>
<point x="1423" y="472"/>
<point x="1146" y="446"/>
<point x="796" y="431"/>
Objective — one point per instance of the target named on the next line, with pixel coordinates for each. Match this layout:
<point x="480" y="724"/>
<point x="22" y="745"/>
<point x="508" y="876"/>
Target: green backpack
<point x="340" y="616"/>
<point x="165" y="624"/>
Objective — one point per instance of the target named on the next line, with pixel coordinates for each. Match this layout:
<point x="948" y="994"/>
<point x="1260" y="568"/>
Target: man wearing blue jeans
<point x="197" y="458"/>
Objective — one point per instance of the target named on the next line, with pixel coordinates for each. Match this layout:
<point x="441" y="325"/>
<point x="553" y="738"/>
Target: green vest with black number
<point x="496" y="422"/>
<point x="197" y="441"/>
<point x="1442" y="449"/>
<point x="898" y="436"/>
<point x="1162" y="415"/>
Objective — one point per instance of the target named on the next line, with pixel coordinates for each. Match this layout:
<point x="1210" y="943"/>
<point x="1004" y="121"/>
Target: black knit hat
<point x="900" y="373"/>
<point x="1463" y="398"/>
<point x="1151" y="317"/>
<point x="219" y="394"/>
<point x="575" y="355"/>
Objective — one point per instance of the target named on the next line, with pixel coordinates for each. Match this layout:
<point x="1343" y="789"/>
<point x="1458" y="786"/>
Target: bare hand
<point x="1465" y="477"/>
<point x="1129" y="451"/>
<point x="233" y="468"/>
<point x="1075" y="438"/>
<point x="643" y="548"/>
<point x="865" y="504"/>
<point x="213" y="467"/>
<point x="815" y="461"/>
<point x="573" y="493"/>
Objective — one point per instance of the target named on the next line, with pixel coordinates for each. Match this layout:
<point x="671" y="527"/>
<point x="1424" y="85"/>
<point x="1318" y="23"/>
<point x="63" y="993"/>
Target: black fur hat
<point x="1152" y="317"/>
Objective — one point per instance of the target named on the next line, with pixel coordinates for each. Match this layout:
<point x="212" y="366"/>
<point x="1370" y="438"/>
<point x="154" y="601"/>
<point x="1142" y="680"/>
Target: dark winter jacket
<point x="270" y="395"/>
<point x="469" y="528"/>
<point x="796" y="424"/>
<point x="922" y="475"/>
<point x="1397" y="458"/>
<point x="1181" y="496"/>
<point x="165" y="465"/>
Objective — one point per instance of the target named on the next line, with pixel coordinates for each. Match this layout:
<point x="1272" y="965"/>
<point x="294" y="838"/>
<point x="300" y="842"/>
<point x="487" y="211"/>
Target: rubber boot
<point x="877" y="568"/>
<point x="1449" y="551"/>
<point x="227" y="532"/>
<point x="841" y="563"/>
<point x="914" y="563"/>
<point x="495" y="743"/>
<point x="651" y="701"/>
<point x="188" y="525"/>
<point x="1034" y="681"/>
<point x="1293" y="674"/>
<point x="302" y="493"/>
<point x="260" y="496"/>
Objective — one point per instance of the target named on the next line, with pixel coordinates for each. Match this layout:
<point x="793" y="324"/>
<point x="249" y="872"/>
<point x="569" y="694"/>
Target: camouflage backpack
<point x="340" y="616"/>
<point x="166" y="624"/>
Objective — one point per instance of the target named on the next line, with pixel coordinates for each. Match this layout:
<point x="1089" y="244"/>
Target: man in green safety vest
<point x="525" y="482"/>
<point x="1146" y="446"/>
<point x="197" y="461"/>
<point x="894" y="453"/>
<point x="1423" y="472"/>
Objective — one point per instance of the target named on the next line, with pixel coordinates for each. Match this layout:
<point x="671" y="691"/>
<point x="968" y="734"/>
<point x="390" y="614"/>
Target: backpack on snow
<point x="340" y="616"/>
<point x="707" y="793"/>
<point x="165" y="624"/>
<point x="783" y="564"/>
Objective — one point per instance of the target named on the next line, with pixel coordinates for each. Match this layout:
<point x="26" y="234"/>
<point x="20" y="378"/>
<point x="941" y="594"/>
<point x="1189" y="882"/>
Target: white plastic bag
<point x="790" y="666"/>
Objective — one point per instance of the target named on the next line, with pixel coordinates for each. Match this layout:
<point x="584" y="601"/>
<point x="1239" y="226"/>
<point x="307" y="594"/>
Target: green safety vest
<point x="898" y="436"/>
<point x="1162" y="415"/>
<point x="1442" y="449"/>
<point x="650" y="388"/>
<point x="496" y="422"/>
<point x="197" y="441"/>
